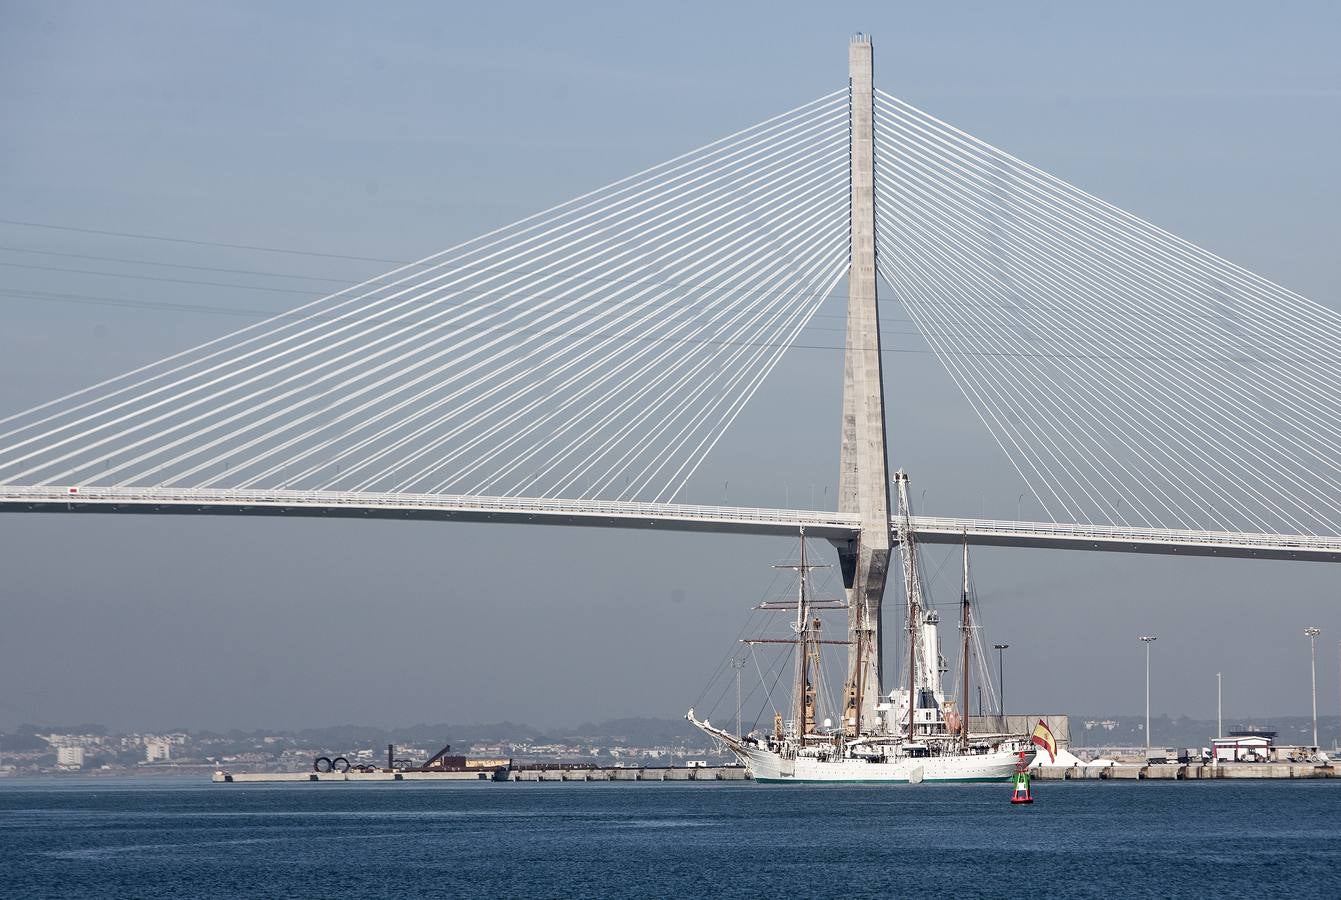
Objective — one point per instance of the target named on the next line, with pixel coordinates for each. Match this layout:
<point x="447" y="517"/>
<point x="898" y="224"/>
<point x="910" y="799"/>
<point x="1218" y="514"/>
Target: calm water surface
<point x="71" y="838"/>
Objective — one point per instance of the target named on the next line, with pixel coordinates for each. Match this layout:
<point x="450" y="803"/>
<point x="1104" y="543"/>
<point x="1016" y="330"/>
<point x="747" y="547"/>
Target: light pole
<point x="1147" y="639"/>
<point x="1219" y="719"/>
<point x="737" y="664"/>
<point x="1312" y="632"/>
<point x="1219" y="707"/>
<point x="1001" y="680"/>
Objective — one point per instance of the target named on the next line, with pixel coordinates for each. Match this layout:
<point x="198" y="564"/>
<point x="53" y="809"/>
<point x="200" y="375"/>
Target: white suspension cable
<point x="234" y="403"/>
<point x="312" y="340"/>
<point x="1263" y="498"/>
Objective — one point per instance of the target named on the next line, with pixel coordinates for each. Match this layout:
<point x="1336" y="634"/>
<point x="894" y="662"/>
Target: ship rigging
<point x="916" y="733"/>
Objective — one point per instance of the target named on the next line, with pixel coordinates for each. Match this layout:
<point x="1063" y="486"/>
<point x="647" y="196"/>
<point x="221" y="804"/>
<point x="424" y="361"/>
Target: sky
<point x="386" y="133"/>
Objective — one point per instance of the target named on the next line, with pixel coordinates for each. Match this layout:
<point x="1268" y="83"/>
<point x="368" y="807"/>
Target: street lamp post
<point x="1001" y="680"/>
<point x="1312" y="632"/>
<point x="1147" y="639"/>
<point x="1219" y="707"/>
<point x="1219" y="718"/>
<point x="737" y="664"/>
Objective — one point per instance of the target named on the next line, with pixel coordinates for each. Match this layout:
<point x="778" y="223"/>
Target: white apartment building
<point x="70" y="757"/>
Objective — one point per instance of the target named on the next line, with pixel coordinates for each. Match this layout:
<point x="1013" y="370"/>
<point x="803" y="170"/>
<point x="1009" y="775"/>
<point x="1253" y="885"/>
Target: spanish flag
<point x="1043" y="737"/>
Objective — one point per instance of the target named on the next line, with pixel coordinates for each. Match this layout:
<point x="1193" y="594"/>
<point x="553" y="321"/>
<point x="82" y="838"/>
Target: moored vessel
<point x="914" y="734"/>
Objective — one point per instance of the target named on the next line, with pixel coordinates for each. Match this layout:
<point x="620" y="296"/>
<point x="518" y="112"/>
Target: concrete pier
<point x="569" y="773"/>
<point x="222" y="777"/>
<point x="619" y="773"/>
<point x="1181" y="772"/>
<point x="535" y="773"/>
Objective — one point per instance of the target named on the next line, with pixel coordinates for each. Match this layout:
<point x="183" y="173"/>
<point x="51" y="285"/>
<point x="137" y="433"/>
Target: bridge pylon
<point x="863" y="482"/>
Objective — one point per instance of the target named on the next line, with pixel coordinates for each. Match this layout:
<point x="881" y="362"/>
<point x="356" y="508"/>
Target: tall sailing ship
<point x="916" y="732"/>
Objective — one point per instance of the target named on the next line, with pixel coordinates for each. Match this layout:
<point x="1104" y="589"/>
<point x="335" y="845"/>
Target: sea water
<point x="116" y="838"/>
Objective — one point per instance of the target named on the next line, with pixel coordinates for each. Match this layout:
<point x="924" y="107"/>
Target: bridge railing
<point x="1118" y="533"/>
<point x="694" y="517"/>
<point x="464" y="502"/>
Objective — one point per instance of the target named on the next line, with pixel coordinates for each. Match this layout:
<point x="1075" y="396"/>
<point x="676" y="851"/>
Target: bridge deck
<point x="441" y="507"/>
<point x="1126" y="539"/>
<point x="661" y="516"/>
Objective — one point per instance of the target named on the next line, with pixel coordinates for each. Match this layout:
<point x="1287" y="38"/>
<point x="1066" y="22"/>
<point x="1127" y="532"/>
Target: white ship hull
<point x="767" y="766"/>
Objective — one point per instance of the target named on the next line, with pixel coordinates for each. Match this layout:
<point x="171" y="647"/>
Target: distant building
<point x="70" y="757"/>
<point x="1245" y="746"/>
<point x="73" y="740"/>
<point x="157" y="750"/>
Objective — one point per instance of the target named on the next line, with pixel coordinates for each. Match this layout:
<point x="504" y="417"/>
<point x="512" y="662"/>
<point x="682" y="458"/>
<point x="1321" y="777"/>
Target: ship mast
<point x="965" y="625"/>
<point x="913" y="587"/>
<point x="805" y="642"/>
<point x="859" y="632"/>
<point x="812" y="675"/>
<point x="912" y="649"/>
<point x="802" y="651"/>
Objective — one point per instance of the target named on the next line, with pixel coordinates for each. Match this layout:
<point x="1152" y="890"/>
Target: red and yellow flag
<point x="1043" y="737"/>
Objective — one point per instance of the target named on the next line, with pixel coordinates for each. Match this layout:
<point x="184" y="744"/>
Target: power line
<point x="1013" y="306"/>
<point x="150" y="262"/>
<point x="624" y="282"/>
<point x="37" y="294"/>
<point x="86" y="300"/>
<point x="244" y="287"/>
<point x="200" y="243"/>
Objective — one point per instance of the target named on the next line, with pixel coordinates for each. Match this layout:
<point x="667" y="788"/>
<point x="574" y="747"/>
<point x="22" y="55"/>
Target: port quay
<point x="521" y="773"/>
<point x="733" y="773"/>
<point x="1116" y="772"/>
<point x="1250" y="754"/>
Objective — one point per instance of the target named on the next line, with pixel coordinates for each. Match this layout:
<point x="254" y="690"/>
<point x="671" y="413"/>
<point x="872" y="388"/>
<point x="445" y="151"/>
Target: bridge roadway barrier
<point x="435" y="507"/>
<point x="661" y="516"/>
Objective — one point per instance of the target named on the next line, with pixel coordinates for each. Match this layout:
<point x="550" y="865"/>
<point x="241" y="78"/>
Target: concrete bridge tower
<point x="863" y="482"/>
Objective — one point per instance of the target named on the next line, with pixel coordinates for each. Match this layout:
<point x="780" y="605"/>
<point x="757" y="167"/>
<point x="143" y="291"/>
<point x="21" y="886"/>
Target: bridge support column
<point x="864" y="473"/>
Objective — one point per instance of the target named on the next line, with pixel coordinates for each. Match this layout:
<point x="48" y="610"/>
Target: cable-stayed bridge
<point x="578" y="366"/>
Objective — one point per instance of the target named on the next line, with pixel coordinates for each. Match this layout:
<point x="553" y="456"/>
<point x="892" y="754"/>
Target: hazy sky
<point x="366" y="131"/>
